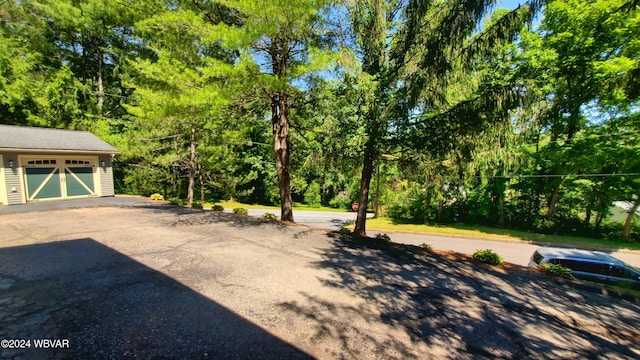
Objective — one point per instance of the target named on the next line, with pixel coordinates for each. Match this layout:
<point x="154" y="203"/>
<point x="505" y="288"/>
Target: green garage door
<point x="79" y="181"/>
<point x="59" y="178"/>
<point x="43" y="183"/>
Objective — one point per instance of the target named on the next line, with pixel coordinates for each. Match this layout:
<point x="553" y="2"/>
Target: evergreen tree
<point x="432" y="46"/>
<point x="279" y="43"/>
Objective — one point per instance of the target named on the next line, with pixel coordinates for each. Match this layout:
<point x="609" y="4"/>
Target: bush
<point x="144" y="180"/>
<point x="343" y="200"/>
<point x="217" y="208"/>
<point x="312" y="195"/>
<point x="383" y="237"/>
<point x="344" y="231"/>
<point x="156" y="196"/>
<point x="240" y="211"/>
<point x="488" y="256"/>
<point x="409" y="210"/>
<point x="557" y="270"/>
<point x="269" y="216"/>
<point x="426" y="246"/>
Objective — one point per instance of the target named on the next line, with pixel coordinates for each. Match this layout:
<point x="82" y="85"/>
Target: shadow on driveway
<point x="110" y="306"/>
<point x="470" y="310"/>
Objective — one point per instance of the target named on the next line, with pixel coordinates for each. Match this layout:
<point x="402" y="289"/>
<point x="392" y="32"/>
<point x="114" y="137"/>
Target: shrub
<point x="344" y="231"/>
<point x="409" y="210"/>
<point x="269" y="216"/>
<point x="488" y="256"/>
<point x="144" y="180"/>
<point x="383" y="237"/>
<point x="156" y="196"/>
<point x="557" y="270"/>
<point x="312" y="195"/>
<point x="217" y="208"/>
<point x="426" y="246"/>
<point x="342" y="200"/>
<point x="240" y="211"/>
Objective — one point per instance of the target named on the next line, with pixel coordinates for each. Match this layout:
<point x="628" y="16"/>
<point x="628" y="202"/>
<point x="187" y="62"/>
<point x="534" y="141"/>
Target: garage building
<point x="51" y="164"/>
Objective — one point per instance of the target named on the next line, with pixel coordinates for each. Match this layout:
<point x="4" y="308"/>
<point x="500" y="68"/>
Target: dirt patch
<point x="164" y="282"/>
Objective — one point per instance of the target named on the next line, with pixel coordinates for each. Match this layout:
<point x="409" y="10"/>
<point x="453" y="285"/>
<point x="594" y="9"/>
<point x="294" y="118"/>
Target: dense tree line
<point x="426" y="111"/>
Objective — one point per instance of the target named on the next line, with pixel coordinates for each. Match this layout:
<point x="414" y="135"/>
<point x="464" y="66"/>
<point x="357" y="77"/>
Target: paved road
<point x="318" y="219"/>
<point x="512" y="252"/>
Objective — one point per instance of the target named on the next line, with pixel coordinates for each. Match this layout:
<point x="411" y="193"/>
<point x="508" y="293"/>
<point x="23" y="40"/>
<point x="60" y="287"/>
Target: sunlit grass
<point x="463" y="230"/>
<point x="487" y="232"/>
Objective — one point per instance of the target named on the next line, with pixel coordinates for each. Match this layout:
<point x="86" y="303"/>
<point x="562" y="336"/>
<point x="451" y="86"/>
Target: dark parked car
<point x="587" y="265"/>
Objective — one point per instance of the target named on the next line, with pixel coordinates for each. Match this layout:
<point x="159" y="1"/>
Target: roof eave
<point x="58" y="151"/>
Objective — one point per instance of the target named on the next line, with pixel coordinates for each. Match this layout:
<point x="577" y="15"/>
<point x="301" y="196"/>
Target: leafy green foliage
<point x="426" y="247"/>
<point x="312" y="195"/>
<point x="269" y="216"/>
<point x="383" y="237"/>
<point x="240" y="211"/>
<point x="217" y="207"/>
<point x="156" y="196"/>
<point x="488" y="257"/>
<point x="444" y="120"/>
<point x="557" y="270"/>
<point x="500" y="179"/>
<point x="344" y="231"/>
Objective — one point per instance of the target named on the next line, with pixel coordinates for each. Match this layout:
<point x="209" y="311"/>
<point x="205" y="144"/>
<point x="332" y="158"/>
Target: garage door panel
<point x="43" y="183"/>
<point x="79" y="181"/>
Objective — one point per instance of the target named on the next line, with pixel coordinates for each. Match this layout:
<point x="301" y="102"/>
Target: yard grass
<point x="487" y="232"/>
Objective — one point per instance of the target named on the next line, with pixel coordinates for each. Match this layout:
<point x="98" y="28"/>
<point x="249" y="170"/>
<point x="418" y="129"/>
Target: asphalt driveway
<point x="155" y="281"/>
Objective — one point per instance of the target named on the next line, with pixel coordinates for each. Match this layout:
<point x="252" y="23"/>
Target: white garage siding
<point x="3" y="189"/>
<point x="106" y="175"/>
<point x="12" y="180"/>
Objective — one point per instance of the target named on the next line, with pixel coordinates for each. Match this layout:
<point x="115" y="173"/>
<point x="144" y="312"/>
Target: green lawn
<point x="486" y="232"/>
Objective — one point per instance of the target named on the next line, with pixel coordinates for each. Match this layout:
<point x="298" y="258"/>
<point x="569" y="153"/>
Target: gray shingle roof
<point x="22" y="137"/>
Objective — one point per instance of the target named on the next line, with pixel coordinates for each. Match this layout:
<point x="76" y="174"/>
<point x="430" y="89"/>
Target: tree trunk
<point x="201" y="179"/>
<point x="100" y="84"/>
<point x="377" y="205"/>
<point x="174" y="173"/>
<point x="174" y="182"/>
<point x="281" y="147"/>
<point x="554" y="199"/>
<point x="365" y="183"/>
<point x="501" y="211"/>
<point x="427" y="199"/>
<point x="587" y="217"/>
<point x="572" y="128"/>
<point x="501" y="189"/>
<point x="192" y="160"/>
<point x="324" y="197"/>
<point x="598" y="219"/>
<point x="627" y="224"/>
